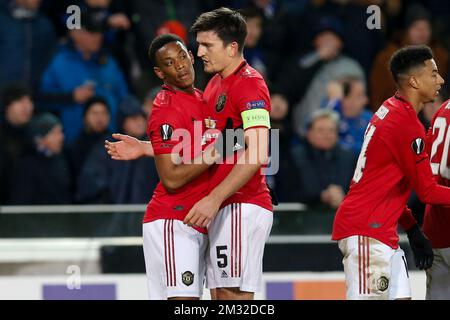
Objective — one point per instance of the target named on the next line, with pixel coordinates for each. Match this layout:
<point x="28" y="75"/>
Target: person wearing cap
<point x="417" y="31"/>
<point x="304" y="78"/>
<point x="42" y="176"/>
<point x="103" y="180"/>
<point x="96" y="119"/>
<point x="80" y="70"/>
<point x="17" y="108"/>
<point x="324" y="169"/>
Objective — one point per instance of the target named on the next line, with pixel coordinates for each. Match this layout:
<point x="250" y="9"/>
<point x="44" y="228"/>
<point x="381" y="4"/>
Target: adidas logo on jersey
<point x="224" y="274"/>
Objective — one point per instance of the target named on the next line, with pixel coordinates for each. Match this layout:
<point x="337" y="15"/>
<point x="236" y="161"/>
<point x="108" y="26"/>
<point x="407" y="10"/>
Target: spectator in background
<point x="42" y="175"/>
<point x="80" y="70"/>
<point x="279" y="28"/>
<point x="253" y="52"/>
<point x="304" y="79"/>
<point x="324" y="169"/>
<point x="27" y="43"/>
<point x="96" y="119"/>
<point x="103" y="180"/>
<point x="353" y="117"/>
<point x="417" y="31"/>
<point x="17" y="111"/>
<point x="148" y="100"/>
<point x="283" y="181"/>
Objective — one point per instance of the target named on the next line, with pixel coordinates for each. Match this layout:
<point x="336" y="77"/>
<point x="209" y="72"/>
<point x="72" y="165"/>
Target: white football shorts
<point x="237" y="236"/>
<point x="373" y="270"/>
<point x="174" y="259"/>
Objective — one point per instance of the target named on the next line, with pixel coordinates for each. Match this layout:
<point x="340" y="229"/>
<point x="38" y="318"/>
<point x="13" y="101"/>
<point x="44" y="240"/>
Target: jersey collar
<point x="401" y="98"/>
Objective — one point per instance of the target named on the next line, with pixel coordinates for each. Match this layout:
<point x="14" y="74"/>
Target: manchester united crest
<point x="382" y="283"/>
<point x="221" y="100"/>
<point x="187" y="277"/>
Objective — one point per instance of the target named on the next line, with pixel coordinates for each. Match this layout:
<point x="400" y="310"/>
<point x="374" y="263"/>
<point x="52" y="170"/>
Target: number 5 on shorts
<point x="222" y="258"/>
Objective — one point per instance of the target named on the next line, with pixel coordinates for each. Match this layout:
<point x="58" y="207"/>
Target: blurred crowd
<point x="63" y="91"/>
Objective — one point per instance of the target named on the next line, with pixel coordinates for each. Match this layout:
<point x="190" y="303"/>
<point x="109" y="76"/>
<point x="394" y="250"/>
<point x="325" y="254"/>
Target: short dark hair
<point x="94" y="100"/>
<point x="228" y="24"/>
<point x="407" y="58"/>
<point x="13" y="92"/>
<point x="347" y="84"/>
<point x="158" y="43"/>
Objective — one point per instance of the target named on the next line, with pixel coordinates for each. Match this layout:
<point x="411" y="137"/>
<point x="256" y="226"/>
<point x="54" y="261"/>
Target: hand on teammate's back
<point x="421" y="248"/>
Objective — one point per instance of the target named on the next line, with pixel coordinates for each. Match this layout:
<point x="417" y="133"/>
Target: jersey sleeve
<point x="407" y="145"/>
<point x="161" y="127"/>
<point x="252" y="100"/>
<point x="407" y="220"/>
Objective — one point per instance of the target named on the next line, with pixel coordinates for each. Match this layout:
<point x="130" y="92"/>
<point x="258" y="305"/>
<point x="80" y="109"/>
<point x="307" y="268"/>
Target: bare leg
<point x="233" y="294"/>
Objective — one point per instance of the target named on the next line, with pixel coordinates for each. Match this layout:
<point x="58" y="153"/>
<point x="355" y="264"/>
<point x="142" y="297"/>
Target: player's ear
<point x="413" y="82"/>
<point x="191" y="56"/>
<point x="159" y="73"/>
<point x="233" y="49"/>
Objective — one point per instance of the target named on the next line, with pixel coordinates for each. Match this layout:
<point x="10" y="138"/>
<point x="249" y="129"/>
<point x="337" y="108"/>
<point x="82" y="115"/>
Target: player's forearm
<point x="185" y="173"/>
<point x="248" y="163"/>
<point x="236" y="179"/>
<point x="180" y="174"/>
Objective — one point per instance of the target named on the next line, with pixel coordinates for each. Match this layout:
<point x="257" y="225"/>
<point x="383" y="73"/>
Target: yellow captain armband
<point x="255" y="118"/>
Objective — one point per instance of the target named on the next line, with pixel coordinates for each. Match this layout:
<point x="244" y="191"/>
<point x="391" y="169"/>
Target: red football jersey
<point x="173" y="109"/>
<point x="436" y="222"/>
<point x="392" y="161"/>
<point x="243" y="90"/>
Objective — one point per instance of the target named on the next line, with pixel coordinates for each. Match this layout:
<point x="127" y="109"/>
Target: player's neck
<point x="414" y="100"/>
<point x="188" y="90"/>
<point x="231" y="67"/>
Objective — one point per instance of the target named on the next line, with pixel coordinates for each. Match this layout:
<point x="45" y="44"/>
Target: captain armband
<point x="255" y="118"/>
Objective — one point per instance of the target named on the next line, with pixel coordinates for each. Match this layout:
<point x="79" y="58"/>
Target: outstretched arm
<point x="128" y="148"/>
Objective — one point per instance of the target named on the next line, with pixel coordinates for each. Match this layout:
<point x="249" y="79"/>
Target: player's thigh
<point x="237" y="237"/>
<point x="438" y="276"/>
<point x="174" y="259"/>
<point x="367" y="267"/>
<point x="399" y="286"/>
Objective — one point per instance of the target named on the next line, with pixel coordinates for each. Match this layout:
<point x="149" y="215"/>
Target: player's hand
<point x="421" y="248"/>
<point x="127" y="148"/>
<point x="203" y="212"/>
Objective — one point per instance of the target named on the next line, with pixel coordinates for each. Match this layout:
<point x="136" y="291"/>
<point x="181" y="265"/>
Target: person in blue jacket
<point x="80" y="70"/>
<point x="353" y="117"/>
